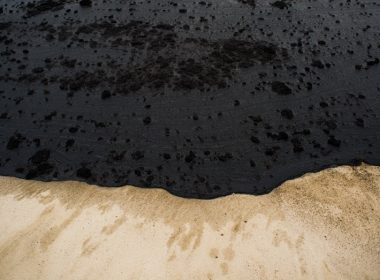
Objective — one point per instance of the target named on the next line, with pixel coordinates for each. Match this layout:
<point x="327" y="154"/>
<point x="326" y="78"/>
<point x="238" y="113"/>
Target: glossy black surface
<point x="201" y="98"/>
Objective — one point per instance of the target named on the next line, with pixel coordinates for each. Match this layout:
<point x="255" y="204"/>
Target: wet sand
<point x="323" y="225"/>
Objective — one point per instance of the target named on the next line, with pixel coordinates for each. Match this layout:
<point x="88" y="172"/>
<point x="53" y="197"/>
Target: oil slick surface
<point x="320" y="226"/>
<point x="201" y="98"/>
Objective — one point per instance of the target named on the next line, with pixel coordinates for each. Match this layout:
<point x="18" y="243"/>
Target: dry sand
<point x="320" y="226"/>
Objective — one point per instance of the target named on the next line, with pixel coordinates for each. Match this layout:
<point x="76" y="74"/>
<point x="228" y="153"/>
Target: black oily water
<point x="201" y="99"/>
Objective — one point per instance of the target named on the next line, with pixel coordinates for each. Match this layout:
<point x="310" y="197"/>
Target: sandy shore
<point x="321" y="226"/>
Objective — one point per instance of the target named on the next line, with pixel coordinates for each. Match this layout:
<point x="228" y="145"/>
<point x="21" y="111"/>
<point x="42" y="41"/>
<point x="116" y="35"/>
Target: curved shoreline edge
<point x="321" y="225"/>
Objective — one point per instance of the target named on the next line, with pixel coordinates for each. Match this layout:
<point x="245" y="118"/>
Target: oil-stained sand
<point x="324" y="225"/>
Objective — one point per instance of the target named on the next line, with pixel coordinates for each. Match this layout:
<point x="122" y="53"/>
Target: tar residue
<point x="200" y="98"/>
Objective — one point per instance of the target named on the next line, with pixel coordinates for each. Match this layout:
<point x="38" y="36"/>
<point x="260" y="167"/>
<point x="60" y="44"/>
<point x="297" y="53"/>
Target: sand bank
<point x="320" y="226"/>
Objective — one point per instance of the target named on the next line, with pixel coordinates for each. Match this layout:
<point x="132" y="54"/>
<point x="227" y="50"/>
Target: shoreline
<point x="321" y="225"/>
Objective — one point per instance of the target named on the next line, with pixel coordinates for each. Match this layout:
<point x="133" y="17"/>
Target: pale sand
<point x="321" y="226"/>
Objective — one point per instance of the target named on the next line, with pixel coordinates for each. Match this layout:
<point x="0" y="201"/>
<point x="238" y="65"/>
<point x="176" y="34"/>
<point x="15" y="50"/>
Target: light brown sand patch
<point x="324" y="225"/>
